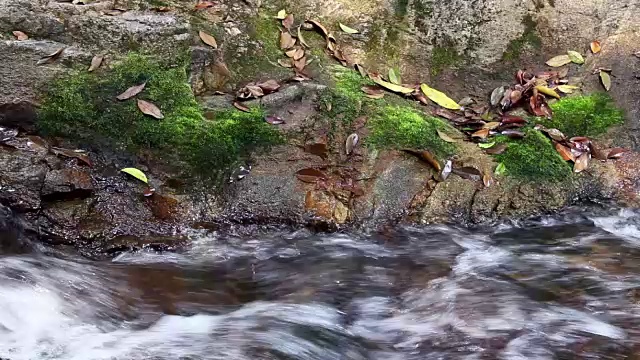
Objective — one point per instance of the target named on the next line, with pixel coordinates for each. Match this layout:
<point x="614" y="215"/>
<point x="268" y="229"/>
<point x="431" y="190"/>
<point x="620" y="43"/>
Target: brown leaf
<point x="372" y="90"/>
<point x="20" y="36"/>
<point x="469" y="173"/>
<point x="595" y="47"/>
<point x="300" y="64"/>
<point x="51" y="57"/>
<point x="492" y="125"/>
<point x="310" y="175"/>
<point x="425" y="156"/>
<point x="617" y="153"/>
<point x="150" y="109"/>
<point x="131" y="92"/>
<point x="274" y="120"/>
<point x="203" y="5"/>
<point x="361" y="70"/>
<point x="582" y="163"/>
<point x="497" y="149"/>
<point x="269" y="86"/>
<point x="287" y="22"/>
<point x="445" y="137"/>
<point x="375" y="96"/>
<point x="487" y="179"/>
<point x="298" y="54"/>
<point x="290" y="53"/>
<point x="301" y="39"/>
<point x="76" y="154"/>
<point x="598" y="153"/>
<point x="241" y="107"/>
<point x="514" y="134"/>
<point x="208" y="39"/>
<point x="481" y="134"/>
<point x="96" y="62"/>
<point x="510" y="119"/>
<point x="350" y="144"/>
<point x="323" y="30"/>
<point x="318" y="148"/>
<point x="565" y="152"/>
<point x="556" y="134"/>
<point x="286" y="40"/>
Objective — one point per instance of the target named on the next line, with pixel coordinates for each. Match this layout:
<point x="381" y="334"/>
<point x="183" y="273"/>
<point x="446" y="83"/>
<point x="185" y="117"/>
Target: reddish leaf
<point x="287" y="22"/>
<point x="274" y="120"/>
<point x="565" y="152"/>
<point x="582" y="163"/>
<point x="310" y="175"/>
<point x="497" y="149"/>
<point x="20" y="36"/>
<point x="131" y="92"/>
<point x="597" y="153"/>
<point x="241" y="107"/>
<point x="286" y="40"/>
<point x="514" y="134"/>
<point x="203" y="5"/>
<point x="509" y="119"/>
<point x="425" y="156"/>
<point x="481" y="134"/>
<point x="83" y="157"/>
<point x="469" y="173"/>
<point x="617" y="153"/>
<point x="149" y="192"/>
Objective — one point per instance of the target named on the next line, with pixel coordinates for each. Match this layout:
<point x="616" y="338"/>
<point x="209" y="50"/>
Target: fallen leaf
<point x="595" y="47"/>
<point x="274" y="120"/>
<point x="149" y="192"/>
<point x="445" y="137"/>
<point x="469" y="173"/>
<point x="131" y="92"/>
<point x="393" y="78"/>
<point x="361" y="70"/>
<point x="51" y="57"/>
<point x="323" y="30"/>
<point x="347" y="29"/>
<point x="285" y="63"/>
<point x="466" y="101"/>
<point x="241" y="107"/>
<point x="575" y="57"/>
<point x="617" y="153"/>
<point x="492" y="125"/>
<point x="208" y="39"/>
<point x="350" y="144"/>
<point x="496" y="95"/>
<point x="301" y="39"/>
<point x="298" y="54"/>
<point x="487" y="145"/>
<point x="372" y="90"/>
<point x="446" y="171"/>
<point x="559" y="60"/>
<point x="203" y="5"/>
<point x="300" y="64"/>
<point x="375" y="96"/>
<point x="20" y="36"/>
<point x="287" y="22"/>
<point x="76" y="154"/>
<point x="497" y="149"/>
<point x="439" y="98"/>
<point x="565" y="152"/>
<point x="286" y="40"/>
<point x="567" y="89"/>
<point x="310" y="175"/>
<point x="269" y="86"/>
<point x="487" y="179"/>
<point x="500" y="170"/>
<point x="282" y="14"/>
<point x="482" y="134"/>
<point x="514" y="134"/>
<point x="96" y="62"/>
<point x="136" y="174"/>
<point x="606" y="80"/>
<point x="582" y="163"/>
<point x="426" y="156"/>
<point x="393" y="87"/>
<point x="598" y="153"/>
<point x="150" y="109"/>
<point x="547" y="91"/>
<point x="510" y="119"/>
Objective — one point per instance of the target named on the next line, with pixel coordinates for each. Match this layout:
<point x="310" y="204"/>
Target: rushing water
<point x="564" y="288"/>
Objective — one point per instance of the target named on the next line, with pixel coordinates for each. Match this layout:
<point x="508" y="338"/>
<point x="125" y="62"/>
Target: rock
<point x="20" y="115"/>
<point x="67" y="184"/>
<point x="21" y="179"/>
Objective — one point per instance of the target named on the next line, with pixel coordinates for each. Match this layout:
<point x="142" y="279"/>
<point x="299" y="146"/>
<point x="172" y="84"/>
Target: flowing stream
<point x="556" y="288"/>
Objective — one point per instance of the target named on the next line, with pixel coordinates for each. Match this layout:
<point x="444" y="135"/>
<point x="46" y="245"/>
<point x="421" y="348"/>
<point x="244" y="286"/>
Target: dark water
<point x="564" y="288"/>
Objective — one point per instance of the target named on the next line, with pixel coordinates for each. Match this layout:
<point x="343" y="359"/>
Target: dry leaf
<point x="286" y="40"/>
<point x="269" y="86"/>
<point x="96" y="62"/>
<point x="347" y="29"/>
<point x="375" y="96"/>
<point x="203" y="5"/>
<point x="285" y="63"/>
<point x="150" y="109"/>
<point x="351" y="143"/>
<point x="287" y="22"/>
<point x="425" y="156"/>
<point x="208" y="39"/>
<point x="595" y="47"/>
<point x="131" y="92"/>
<point x="559" y="60"/>
<point x="80" y="155"/>
<point x="390" y="86"/>
<point x="482" y="133"/>
<point x="565" y="152"/>
<point x="606" y="80"/>
<point x="282" y="14"/>
<point x="439" y="98"/>
<point x="361" y="70"/>
<point x="51" y="57"/>
<point x="567" y="89"/>
<point x="582" y="162"/>
<point x="301" y="39"/>
<point x="291" y="53"/>
<point x="617" y="153"/>
<point x="487" y="179"/>
<point x="469" y="173"/>
<point x="575" y="57"/>
<point x="445" y="137"/>
<point x="446" y="171"/>
<point x="274" y="120"/>
<point x="241" y="107"/>
<point x="310" y="175"/>
<point x="496" y="95"/>
<point x="497" y="149"/>
<point x="547" y="91"/>
<point x="298" y="54"/>
<point x="20" y="36"/>
<point x="492" y="125"/>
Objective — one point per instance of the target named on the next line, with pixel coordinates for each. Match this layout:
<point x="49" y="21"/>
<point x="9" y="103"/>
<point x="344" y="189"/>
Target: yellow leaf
<point x="567" y="89"/>
<point x="595" y="47"/>
<point x="208" y="39"/>
<point x="392" y="87"/>
<point x="282" y="14"/>
<point x="559" y="60"/>
<point x="606" y="80"/>
<point x="347" y="29"/>
<point x="439" y="98"/>
<point x="575" y="57"/>
<point x="547" y="91"/>
<point x="136" y="174"/>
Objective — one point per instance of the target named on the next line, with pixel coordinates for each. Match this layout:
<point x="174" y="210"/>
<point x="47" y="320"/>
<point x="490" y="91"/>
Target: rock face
<point x="468" y="54"/>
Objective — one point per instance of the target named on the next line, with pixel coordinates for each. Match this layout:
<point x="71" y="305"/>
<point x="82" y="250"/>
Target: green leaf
<point x="136" y="174"/>
<point x="439" y="98"/>
<point x="282" y="14"/>
<point x="486" y="145"/>
<point x="500" y="169"/>
<point x="347" y="29"/>
<point x="575" y="57"/>
<point x="393" y="77"/>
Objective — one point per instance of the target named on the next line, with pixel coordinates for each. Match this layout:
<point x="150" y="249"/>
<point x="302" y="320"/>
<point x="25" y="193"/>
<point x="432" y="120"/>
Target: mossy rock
<point x="82" y="106"/>
<point x="590" y="115"/>
<point x="533" y="158"/>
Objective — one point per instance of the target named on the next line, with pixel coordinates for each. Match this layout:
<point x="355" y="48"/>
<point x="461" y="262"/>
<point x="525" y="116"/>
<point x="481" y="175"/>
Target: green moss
<point x="443" y="57"/>
<point x="401" y="127"/>
<point x="584" y="115"/>
<point x="82" y="106"/>
<point x="533" y="158"/>
<point x="400" y="7"/>
<point x="528" y="39"/>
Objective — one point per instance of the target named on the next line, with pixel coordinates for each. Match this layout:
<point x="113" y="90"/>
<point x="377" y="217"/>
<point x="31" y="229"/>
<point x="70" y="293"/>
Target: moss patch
<point x="404" y="127"/>
<point x="588" y="115"/>
<point x="82" y="106"/>
<point x="533" y="158"/>
<point x="444" y="57"/>
<point x="528" y="39"/>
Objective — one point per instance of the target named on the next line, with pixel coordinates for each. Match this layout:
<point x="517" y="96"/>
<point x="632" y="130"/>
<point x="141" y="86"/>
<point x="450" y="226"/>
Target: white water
<point x="534" y="292"/>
